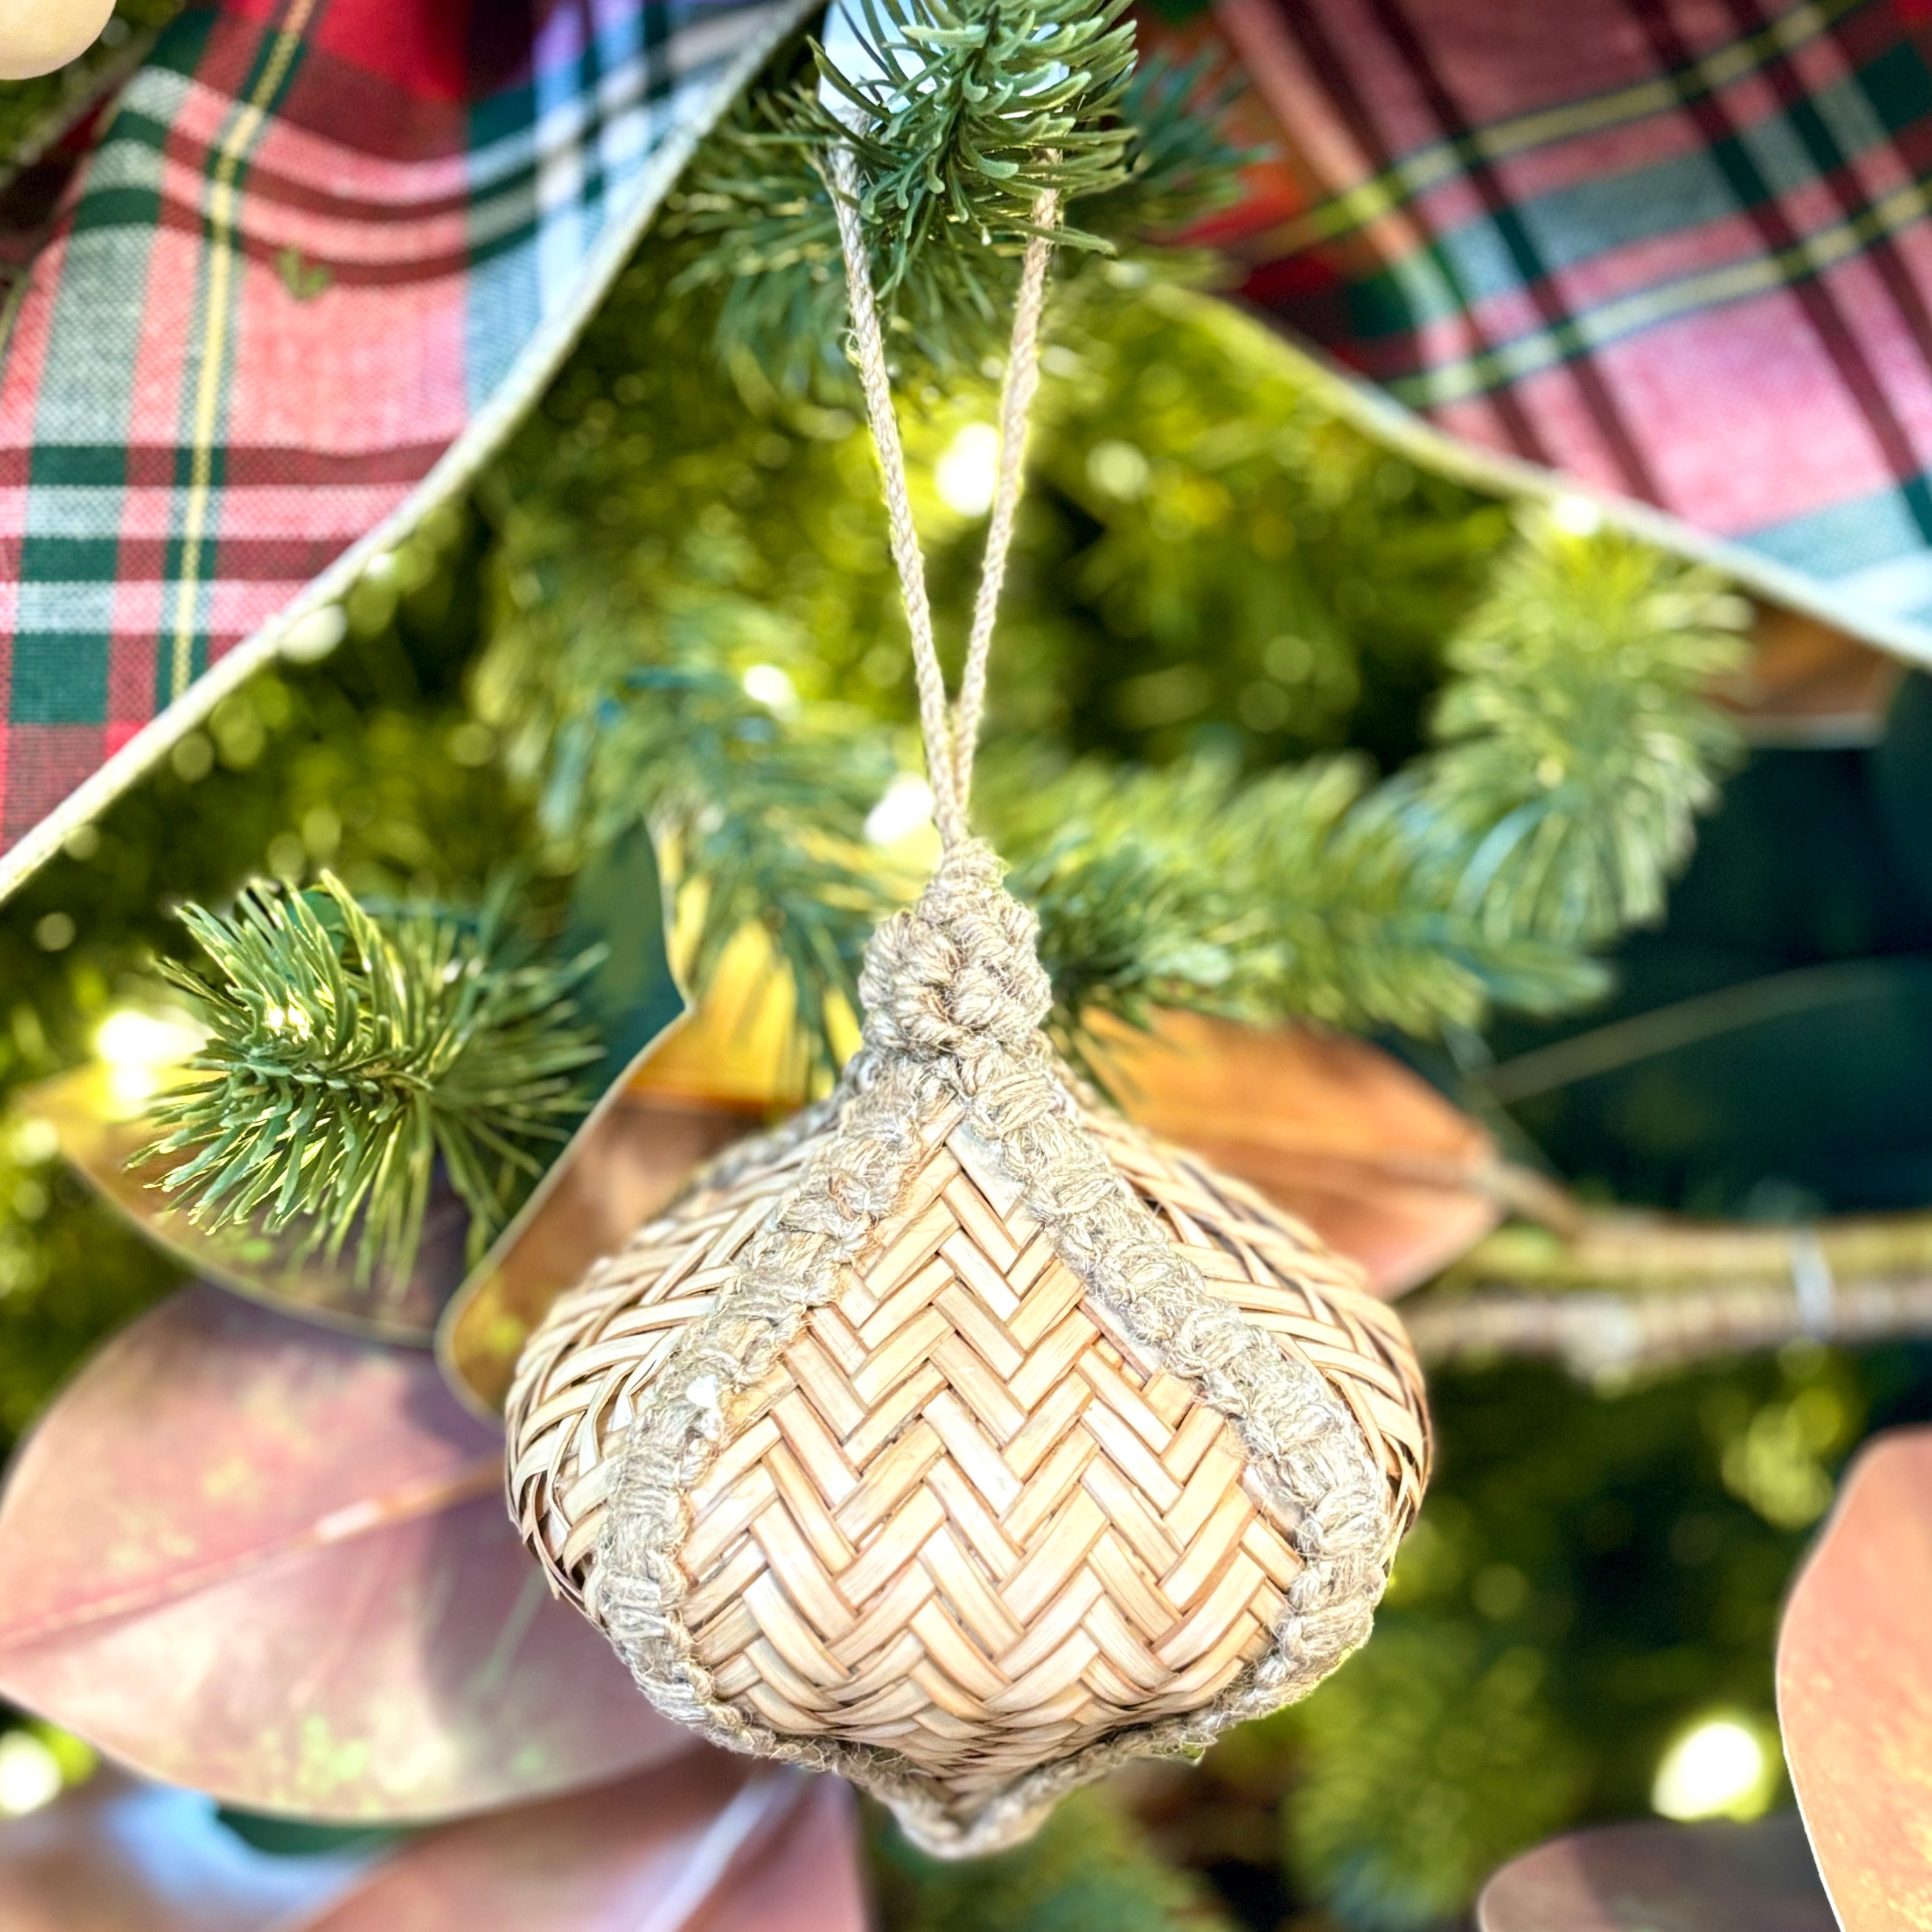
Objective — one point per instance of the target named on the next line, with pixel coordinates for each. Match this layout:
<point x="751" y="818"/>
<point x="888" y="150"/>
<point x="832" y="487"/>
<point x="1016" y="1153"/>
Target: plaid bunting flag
<point x="1679" y="250"/>
<point x="320" y="249"/>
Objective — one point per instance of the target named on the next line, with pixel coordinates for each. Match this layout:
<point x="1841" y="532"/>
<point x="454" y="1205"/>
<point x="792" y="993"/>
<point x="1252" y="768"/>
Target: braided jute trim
<point x="954" y="996"/>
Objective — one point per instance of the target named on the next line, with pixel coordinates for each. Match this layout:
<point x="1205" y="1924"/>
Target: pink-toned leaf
<point x="809" y="1882"/>
<point x="1855" y="1689"/>
<point x="1656" y="1877"/>
<point x="709" y="1842"/>
<point x="117" y="1856"/>
<point x="246" y="1555"/>
<point x="1332" y="1129"/>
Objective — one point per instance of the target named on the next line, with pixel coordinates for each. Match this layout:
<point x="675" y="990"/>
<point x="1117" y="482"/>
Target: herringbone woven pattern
<point x="964" y="1517"/>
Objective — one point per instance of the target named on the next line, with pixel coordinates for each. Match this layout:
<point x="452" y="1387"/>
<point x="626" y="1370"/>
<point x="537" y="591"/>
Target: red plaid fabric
<point x="320" y="252"/>
<point x="1679" y="250"/>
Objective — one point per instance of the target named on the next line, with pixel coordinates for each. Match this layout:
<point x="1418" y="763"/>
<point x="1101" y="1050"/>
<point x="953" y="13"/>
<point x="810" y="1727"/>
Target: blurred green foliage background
<point x="1212" y="558"/>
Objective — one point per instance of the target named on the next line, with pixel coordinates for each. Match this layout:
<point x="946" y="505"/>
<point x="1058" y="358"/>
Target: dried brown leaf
<point x="1810" y="684"/>
<point x="1330" y="1128"/>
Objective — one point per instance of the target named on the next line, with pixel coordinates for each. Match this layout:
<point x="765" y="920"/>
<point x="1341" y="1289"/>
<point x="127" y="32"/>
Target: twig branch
<point x="1632" y="1292"/>
<point x="1598" y="1334"/>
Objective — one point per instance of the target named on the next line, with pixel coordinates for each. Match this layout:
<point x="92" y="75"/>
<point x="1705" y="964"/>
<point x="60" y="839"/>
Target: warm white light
<point x="905" y="808"/>
<point x="968" y="469"/>
<point x="129" y="1037"/>
<point x="317" y="634"/>
<point x="1120" y="469"/>
<point x="771" y="688"/>
<point x="1577" y="515"/>
<point x="33" y="1140"/>
<point x="138" y="1049"/>
<point x="1715" y="1770"/>
<point x="30" y="1774"/>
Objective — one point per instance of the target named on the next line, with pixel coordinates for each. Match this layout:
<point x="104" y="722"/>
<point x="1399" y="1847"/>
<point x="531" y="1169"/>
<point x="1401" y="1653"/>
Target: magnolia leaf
<point x="1657" y="1877"/>
<point x="1809" y="684"/>
<point x="634" y="1160"/>
<point x="713" y="1076"/>
<point x="706" y="1839"/>
<point x="273" y="1563"/>
<point x="617" y="905"/>
<point x="115" y="1855"/>
<point x="1329" y="1127"/>
<point x="1855" y="1688"/>
<point x="743" y="1046"/>
<point x="709" y="1840"/>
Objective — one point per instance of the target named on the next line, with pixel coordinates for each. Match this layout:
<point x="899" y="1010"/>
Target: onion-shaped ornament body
<point x="960" y="1437"/>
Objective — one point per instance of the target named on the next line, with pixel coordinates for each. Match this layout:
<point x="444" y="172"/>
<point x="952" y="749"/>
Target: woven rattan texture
<point x="963" y="1518"/>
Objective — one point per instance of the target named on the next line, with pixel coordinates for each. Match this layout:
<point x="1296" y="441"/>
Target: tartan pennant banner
<point x="1677" y="251"/>
<point x="321" y="254"/>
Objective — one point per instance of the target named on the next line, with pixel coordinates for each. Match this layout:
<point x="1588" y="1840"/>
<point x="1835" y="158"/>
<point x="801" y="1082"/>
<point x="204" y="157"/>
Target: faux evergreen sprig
<point x="971" y="111"/>
<point x="991" y="104"/>
<point x="1294" y="894"/>
<point x="348" y="1055"/>
<point x="1578" y="746"/>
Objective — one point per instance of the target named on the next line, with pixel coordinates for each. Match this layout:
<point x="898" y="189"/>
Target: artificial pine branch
<point x="1464" y="882"/>
<point x="1577" y="745"/>
<point x="641" y="714"/>
<point x="986" y="114"/>
<point x="1577" y="748"/>
<point x="347" y="1054"/>
<point x="971" y="111"/>
<point x="1294" y="895"/>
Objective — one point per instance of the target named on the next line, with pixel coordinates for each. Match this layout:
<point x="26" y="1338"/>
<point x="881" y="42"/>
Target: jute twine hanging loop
<point x="958" y="1437"/>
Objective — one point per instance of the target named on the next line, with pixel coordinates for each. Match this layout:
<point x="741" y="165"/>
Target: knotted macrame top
<point x="958" y="975"/>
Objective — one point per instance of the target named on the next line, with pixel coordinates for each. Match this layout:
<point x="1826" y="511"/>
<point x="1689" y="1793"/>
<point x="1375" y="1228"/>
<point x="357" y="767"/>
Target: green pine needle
<point x="1578" y="746"/>
<point x="994" y="104"/>
<point x="973" y="111"/>
<point x="1435" y="1756"/>
<point x="630" y="715"/>
<point x="1292" y="895"/>
<point x="1091" y="1868"/>
<point x="348" y="1055"/>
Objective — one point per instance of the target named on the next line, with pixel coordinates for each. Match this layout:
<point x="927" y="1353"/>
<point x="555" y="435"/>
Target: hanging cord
<point x="951" y="732"/>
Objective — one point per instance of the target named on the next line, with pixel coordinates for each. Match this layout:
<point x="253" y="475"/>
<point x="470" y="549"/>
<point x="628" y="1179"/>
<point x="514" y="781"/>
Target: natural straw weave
<point x="984" y="1440"/>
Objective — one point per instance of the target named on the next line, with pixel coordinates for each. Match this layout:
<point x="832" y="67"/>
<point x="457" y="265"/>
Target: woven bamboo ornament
<point x="959" y="1438"/>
